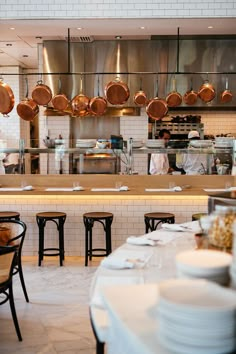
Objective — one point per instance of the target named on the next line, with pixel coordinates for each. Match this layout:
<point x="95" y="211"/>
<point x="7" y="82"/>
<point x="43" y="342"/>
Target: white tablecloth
<point x="113" y="313"/>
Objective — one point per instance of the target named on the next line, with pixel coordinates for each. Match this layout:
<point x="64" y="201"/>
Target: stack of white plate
<point x="155" y="143"/>
<point x="201" y="143"/>
<point x="233" y="275"/>
<point x="224" y="142"/>
<point x="86" y="143"/>
<point x="207" y="264"/>
<point x="137" y="143"/>
<point x="196" y="317"/>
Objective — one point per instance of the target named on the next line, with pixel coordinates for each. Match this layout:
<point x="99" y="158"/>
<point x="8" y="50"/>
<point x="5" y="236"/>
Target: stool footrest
<point x="51" y="254"/>
<point x="99" y="250"/>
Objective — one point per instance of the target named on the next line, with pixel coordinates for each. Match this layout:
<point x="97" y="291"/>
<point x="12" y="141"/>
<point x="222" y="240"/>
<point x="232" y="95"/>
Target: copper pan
<point x="41" y="94"/>
<point x="191" y="96"/>
<point x="174" y="98"/>
<point x="80" y="103"/>
<point x="157" y="107"/>
<point x="60" y="101"/>
<point x="206" y="92"/>
<point x="7" y="99"/>
<point x="27" y="109"/>
<point x="117" y="92"/>
<point x="226" y="96"/>
<point x="140" y="97"/>
<point x="98" y="104"/>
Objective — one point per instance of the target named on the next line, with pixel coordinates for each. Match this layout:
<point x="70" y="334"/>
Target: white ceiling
<point x="24" y="42"/>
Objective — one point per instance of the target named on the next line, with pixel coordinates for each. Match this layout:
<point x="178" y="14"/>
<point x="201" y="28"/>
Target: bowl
<point x="101" y="145"/>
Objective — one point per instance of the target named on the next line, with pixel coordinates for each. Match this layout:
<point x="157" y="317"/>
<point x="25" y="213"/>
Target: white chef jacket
<point x="159" y="164"/>
<point x="194" y="164"/>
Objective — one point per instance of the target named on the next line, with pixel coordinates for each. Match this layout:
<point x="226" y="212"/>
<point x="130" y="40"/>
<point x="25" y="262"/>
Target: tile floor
<point x="56" y="320"/>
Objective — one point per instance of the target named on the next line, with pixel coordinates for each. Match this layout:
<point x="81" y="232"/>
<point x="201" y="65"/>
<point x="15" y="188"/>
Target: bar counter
<point x="128" y="207"/>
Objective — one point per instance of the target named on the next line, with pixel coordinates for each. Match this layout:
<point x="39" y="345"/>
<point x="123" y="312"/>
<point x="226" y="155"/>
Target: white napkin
<point x="78" y="189"/>
<point x="27" y="188"/>
<point x="121" y="189"/>
<point x="141" y="240"/>
<point x="126" y="259"/>
<point x="115" y="263"/>
<point x="174" y="189"/>
<point x="163" y="237"/>
<point x="124" y="188"/>
<point x="192" y="226"/>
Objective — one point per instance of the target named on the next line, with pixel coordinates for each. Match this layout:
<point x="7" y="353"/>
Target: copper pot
<point x="60" y="101"/>
<point x="117" y="92"/>
<point x="191" y="96"/>
<point x="206" y="92"/>
<point x="98" y="104"/>
<point x="80" y="103"/>
<point x="27" y="109"/>
<point x="226" y="96"/>
<point x="157" y="107"/>
<point x="174" y="98"/>
<point x="7" y="99"/>
<point x="41" y="94"/>
<point x="140" y="97"/>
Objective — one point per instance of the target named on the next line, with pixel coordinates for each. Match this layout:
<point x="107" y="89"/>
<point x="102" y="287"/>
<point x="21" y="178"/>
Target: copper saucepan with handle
<point x="7" y="99"/>
<point x="157" y="107"/>
<point x="98" y="104"/>
<point x="226" y="96"/>
<point x="27" y="109"/>
<point x="60" y="101"/>
<point x="117" y="92"/>
<point x="80" y="103"/>
<point x="191" y="96"/>
<point x="41" y="94"/>
<point x="140" y="97"/>
<point x="174" y="98"/>
<point x="206" y="92"/>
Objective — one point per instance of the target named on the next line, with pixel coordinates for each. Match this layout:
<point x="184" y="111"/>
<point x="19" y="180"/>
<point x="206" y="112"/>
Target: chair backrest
<point x="6" y="263"/>
<point x="17" y="230"/>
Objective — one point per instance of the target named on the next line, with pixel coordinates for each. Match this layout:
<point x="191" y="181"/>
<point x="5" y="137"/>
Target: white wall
<point x="116" y="8"/>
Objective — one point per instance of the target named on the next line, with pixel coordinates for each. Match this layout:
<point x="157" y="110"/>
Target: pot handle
<point x="59" y="85"/>
<point x="156" y="87"/>
<point x="141" y="83"/>
<point x="227" y="83"/>
<point x="174" y="84"/>
<point x="27" y="88"/>
<point x="98" y="86"/>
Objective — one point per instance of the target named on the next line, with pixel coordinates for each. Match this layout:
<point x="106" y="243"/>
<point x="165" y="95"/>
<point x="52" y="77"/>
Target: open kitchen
<point x="79" y="125"/>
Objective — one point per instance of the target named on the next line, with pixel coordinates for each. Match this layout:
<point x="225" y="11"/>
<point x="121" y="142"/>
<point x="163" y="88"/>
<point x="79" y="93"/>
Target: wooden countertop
<point x="192" y="185"/>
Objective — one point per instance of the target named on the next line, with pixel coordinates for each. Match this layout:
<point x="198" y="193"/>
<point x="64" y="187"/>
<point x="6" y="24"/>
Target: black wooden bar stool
<point x="9" y="215"/>
<point x="59" y="219"/>
<point x="106" y="220"/>
<point x="152" y="220"/>
<point x="198" y="216"/>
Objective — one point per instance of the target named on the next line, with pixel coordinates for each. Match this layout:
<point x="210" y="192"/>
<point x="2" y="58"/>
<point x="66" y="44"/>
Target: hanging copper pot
<point x="98" y="104"/>
<point x="226" y="96"/>
<point x="7" y="99"/>
<point x="191" y="96"/>
<point x="60" y="101"/>
<point x="117" y="92"/>
<point x="80" y="103"/>
<point x="41" y="94"/>
<point x="206" y="92"/>
<point x="140" y="97"/>
<point x="174" y="98"/>
<point x="157" y="107"/>
<point x="27" y="109"/>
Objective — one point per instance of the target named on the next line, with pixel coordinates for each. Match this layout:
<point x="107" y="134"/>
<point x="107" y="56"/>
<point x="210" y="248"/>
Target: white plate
<point x="201" y="143"/>
<point x="222" y="278"/>
<point x="197" y="296"/>
<point x="204" y="262"/>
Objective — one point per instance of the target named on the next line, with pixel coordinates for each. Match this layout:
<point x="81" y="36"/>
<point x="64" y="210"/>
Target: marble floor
<point x="56" y="319"/>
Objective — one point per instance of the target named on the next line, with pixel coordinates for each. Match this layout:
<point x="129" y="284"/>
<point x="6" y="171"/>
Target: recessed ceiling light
<point x="12" y="28"/>
<point x="8" y="44"/>
<point x="118" y="37"/>
<point x="38" y="37"/>
<point x="210" y="27"/>
<point x="25" y="56"/>
<point x="79" y="28"/>
<point x="142" y="27"/>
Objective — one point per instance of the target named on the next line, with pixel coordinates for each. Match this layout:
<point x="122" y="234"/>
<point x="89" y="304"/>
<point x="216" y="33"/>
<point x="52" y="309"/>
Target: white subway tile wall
<point x="113" y="8"/>
<point x="128" y="217"/>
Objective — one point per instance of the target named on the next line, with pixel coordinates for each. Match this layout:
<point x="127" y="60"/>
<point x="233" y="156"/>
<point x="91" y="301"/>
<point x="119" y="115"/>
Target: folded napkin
<point x="115" y="263"/>
<point x="192" y="226"/>
<point x="78" y="189"/>
<point x="126" y="259"/>
<point x="122" y="188"/>
<point x="163" y="237"/>
<point x="174" y="189"/>
<point x="141" y="240"/>
<point x="27" y="188"/>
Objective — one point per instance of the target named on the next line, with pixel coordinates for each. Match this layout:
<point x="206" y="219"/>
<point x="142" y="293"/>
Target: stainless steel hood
<point x="196" y="58"/>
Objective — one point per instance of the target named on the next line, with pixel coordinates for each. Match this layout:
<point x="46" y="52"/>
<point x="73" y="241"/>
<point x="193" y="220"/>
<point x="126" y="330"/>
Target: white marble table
<point x="123" y="301"/>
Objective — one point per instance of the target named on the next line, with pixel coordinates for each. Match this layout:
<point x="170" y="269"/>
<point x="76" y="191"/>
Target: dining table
<point x="124" y="291"/>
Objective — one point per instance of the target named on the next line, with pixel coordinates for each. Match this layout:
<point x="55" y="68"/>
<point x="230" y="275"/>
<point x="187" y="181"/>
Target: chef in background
<point x="159" y="163"/>
<point x="193" y="164"/>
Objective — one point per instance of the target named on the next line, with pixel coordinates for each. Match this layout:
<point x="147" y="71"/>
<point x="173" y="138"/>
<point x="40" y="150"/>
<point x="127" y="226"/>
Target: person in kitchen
<point x="159" y="163"/>
<point x="193" y="164"/>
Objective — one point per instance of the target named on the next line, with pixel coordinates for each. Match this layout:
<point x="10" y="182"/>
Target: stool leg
<point x="41" y="225"/>
<point x="107" y="230"/>
<point x="61" y="241"/>
<point x="87" y="227"/>
<point x="147" y="226"/>
<point x="90" y="242"/>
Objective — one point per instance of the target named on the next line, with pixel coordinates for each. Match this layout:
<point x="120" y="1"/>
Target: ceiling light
<point x="79" y="28"/>
<point x="38" y="37"/>
<point x="118" y="37"/>
<point x="8" y="44"/>
<point x="210" y="27"/>
<point x="12" y="28"/>
<point x="142" y="27"/>
<point x="25" y="56"/>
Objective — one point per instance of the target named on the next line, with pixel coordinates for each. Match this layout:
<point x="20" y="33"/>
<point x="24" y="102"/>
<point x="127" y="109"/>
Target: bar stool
<point x="59" y="219"/>
<point x="152" y="220"/>
<point x="9" y="215"/>
<point x="198" y="216"/>
<point x="106" y="220"/>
